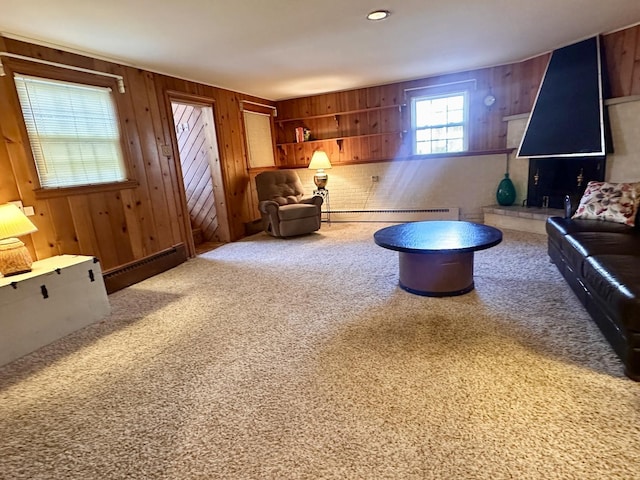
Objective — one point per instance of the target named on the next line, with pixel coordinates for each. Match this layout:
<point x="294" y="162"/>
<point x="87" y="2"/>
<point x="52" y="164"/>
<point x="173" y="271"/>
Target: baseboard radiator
<point x="138" y="270"/>
<point x="395" y="215"/>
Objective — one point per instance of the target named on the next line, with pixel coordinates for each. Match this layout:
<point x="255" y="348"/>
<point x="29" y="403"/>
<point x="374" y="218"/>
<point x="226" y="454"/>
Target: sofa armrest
<point x="571" y="205"/>
<point x="567" y="206"/>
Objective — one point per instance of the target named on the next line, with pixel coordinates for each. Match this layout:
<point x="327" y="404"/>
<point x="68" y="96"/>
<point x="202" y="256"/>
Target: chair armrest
<point x="269" y="207"/>
<point x="315" y="200"/>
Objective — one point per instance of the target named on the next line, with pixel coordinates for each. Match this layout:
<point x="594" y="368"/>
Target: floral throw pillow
<point x="611" y="202"/>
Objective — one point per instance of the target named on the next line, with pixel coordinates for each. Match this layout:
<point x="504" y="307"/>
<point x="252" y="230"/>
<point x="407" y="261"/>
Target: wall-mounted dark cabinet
<point x="568" y="117"/>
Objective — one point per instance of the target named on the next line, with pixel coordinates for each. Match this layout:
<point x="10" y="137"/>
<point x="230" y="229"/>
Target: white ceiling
<point x="279" y="49"/>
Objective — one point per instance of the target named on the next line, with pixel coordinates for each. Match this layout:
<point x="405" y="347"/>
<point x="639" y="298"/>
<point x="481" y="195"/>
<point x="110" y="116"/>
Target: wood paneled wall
<point x="515" y="87"/>
<point x="129" y="224"/>
<point x="622" y="59"/>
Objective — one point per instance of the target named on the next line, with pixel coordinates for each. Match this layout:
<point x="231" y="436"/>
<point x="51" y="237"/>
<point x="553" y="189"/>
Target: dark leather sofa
<point x="601" y="262"/>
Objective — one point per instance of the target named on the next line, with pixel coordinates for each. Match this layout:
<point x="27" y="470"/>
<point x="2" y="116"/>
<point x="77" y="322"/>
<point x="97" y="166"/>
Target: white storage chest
<point x="60" y="295"/>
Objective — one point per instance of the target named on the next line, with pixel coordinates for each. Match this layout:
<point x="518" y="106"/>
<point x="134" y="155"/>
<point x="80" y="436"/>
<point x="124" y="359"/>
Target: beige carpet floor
<point x="302" y="359"/>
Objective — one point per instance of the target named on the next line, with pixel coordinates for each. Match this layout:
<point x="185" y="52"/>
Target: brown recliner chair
<point x="284" y="208"/>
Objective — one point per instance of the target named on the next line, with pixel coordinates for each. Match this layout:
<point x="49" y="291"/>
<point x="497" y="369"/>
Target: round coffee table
<point x="436" y="257"/>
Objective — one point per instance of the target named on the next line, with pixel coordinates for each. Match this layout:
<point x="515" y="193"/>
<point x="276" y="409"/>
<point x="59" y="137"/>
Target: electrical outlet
<point x="166" y="150"/>
<point x="18" y="203"/>
<point x="29" y="211"/>
<point x="375" y="178"/>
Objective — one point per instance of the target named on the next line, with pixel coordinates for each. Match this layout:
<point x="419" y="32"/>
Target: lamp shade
<point x="14" y="223"/>
<point x="319" y="161"/>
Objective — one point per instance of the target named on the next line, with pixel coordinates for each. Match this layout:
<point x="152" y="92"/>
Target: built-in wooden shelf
<point x="353" y="136"/>
<point x="336" y="139"/>
<point x="337" y="114"/>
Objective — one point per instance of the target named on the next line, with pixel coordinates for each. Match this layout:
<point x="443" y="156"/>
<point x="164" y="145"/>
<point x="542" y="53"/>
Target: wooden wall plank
<point x="167" y="174"/>
<point x="232" y="153"/>
<point x="635" y="72"/>
<point x="8" y="187"/>
<point x="108" y="255"/>
<point x="83" y="225"/>
<point x="62" y="219"/>
<point x="181" y="228"/>
<point x="620" y="50"/>
<point x="133" y="224"/>
<point x="141" y="204"/>
<point x="152" y="159"/>
<point x="119" y="228"/>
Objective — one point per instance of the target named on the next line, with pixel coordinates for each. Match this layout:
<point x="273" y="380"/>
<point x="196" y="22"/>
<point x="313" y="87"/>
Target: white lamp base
<point x="14" y="257"/>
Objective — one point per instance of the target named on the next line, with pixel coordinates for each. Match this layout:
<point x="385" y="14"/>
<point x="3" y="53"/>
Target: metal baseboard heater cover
<point x="396" y="215"/>
<point x="138" y="270"/>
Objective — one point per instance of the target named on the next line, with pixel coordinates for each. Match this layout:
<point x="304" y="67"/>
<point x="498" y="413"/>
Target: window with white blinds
<point x="257" y="128"/>
<point x="73" y="131"/>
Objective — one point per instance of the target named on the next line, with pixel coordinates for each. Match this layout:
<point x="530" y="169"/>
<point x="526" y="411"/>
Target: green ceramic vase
<point x="506" y="193"/>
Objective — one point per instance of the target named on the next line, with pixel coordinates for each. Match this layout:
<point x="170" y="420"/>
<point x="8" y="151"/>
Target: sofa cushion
<point x="286" y="200"/>
<point x="558" y="227"/>
<point x="279" y="183"/>
<point x="580" y="245"/>
<point x="611" y="202"/>
<point x="615" y="280"/>
<point x="297" y="210"/>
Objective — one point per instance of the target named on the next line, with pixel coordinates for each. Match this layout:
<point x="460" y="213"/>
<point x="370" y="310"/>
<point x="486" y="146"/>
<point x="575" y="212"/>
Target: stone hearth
<point x="523" y="219"/>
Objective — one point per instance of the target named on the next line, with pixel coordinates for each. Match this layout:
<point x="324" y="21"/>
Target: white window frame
<point x="84" y="149"/>
<point x="464" y="124"/>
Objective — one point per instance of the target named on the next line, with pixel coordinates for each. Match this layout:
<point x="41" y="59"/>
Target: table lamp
<point x="14" y="256"/>
<point x="320" y="162"/>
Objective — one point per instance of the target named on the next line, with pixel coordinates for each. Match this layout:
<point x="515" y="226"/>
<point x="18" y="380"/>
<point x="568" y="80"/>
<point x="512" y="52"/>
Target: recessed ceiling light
<point x="378" y="15"/>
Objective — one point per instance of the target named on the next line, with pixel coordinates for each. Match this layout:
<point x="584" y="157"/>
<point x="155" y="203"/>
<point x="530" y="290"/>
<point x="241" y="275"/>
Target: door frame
<point x="198" y="100"/>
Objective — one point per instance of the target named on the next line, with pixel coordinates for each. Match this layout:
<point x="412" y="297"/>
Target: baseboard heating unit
<point x="395" y="215"/>
<point x="138" y="270"/>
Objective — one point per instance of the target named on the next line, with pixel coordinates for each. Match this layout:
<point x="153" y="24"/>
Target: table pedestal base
<point x="436" y="274"/>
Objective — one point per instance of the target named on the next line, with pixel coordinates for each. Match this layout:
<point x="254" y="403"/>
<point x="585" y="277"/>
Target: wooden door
<point x="201" y="173"/>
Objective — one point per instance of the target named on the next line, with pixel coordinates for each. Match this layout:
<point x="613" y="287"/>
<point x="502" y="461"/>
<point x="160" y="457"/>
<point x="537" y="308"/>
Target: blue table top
<point x="438" y="236"/>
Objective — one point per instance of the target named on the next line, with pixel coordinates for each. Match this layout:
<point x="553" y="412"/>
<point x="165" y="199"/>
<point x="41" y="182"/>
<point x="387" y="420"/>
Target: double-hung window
<point x="73" y="130"/>
<point x="439" y="123"/>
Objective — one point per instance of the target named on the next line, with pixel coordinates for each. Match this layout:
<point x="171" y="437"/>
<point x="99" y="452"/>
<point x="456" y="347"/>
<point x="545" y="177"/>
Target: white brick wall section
<point x="469" y="183"/>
